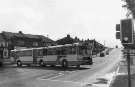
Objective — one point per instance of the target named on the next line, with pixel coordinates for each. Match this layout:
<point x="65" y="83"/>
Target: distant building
<point x="98" y="47"/>
<point x="65" y="40"/>
<point x="25" y="40"/>
<point x="93" y="44"/>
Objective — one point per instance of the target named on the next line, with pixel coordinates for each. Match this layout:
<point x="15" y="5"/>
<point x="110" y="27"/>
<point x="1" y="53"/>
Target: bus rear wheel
<point x="41" y="63"/>
<point x="64" y="63"/>
<point x="19" y="63"/>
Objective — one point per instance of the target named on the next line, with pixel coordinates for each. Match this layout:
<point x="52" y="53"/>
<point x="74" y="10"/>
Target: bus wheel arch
<point x="64" y="63"/>
<point x="41" y="63"/>
<point x="19" y="63"/>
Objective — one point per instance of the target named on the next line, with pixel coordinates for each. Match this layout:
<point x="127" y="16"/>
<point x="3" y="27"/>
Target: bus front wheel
<point x="64" y="63"/>
<point x="19" y="63"/>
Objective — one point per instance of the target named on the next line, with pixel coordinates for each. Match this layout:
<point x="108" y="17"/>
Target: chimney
<point x="20" y="32"/>
<point x="68" y="36"/>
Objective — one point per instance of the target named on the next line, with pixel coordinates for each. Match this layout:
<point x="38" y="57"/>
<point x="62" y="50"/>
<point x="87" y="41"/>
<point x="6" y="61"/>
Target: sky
<point x="93" y="19"/>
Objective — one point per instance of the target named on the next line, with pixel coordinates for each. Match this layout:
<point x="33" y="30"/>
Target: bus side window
<point x="28" y="53"/>
<point x="44" y="52"/>
<point x="12" y="54"/>
<point x="80" y="50"/>
<point x="64" y="51"/>
<point x="40" y="52"/>
<point x="51" y="51"/>
<point x="58" y="52"/>
<point x="73" y="50"/>
<point x="68" y="50"/>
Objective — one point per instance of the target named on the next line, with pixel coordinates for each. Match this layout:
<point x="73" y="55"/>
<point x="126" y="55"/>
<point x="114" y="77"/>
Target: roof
<point x="9" y="35"/>
<point x="65" y="40"/>
<point x="1" y="38"/>
<point x="45" y="38"/>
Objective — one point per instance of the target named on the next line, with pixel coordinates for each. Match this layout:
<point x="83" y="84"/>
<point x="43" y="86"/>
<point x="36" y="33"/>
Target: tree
<point x="130" y="5"/>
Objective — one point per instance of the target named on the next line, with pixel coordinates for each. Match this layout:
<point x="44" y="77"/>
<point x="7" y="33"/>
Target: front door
<point x="35" y="55"/>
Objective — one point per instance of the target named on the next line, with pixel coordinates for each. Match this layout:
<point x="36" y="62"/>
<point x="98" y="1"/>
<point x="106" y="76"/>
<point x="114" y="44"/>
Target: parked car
<point x="107" y="52"/>
<point x="102" y="54"/>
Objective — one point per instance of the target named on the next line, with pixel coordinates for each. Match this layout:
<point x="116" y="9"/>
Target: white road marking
<point x="123" y="73"/>
<point x="117" y="71"/>
<point x="45" y="77"/>
<point x="60" y="74"/>
<point x="64" y="81"/>
<point x="54" y="77"/>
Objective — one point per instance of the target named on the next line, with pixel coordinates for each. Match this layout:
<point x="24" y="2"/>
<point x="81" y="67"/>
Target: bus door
<point x="59" y="55"/>
<point x="35" y="56"/>
<point x="1" y="57"/>
<point x="82" y="52"/>
<point x="1" y="53"/>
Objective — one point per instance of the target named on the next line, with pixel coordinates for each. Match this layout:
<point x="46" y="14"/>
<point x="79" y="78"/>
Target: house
<point x="25" y="40"/>
<point x="10" y="41"/>
<point x="65" y="40"/>
<point x="92" y="44"/>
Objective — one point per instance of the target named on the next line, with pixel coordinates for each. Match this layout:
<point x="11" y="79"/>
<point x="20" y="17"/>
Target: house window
<point x="5" y="53"/>
<point x="20" y="43"/>
<point x="35" y="43"/>
<point x="3" y="44"/>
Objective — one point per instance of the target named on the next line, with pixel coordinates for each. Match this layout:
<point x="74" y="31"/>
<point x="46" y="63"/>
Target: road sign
<point x="117" y="35"/>
<point x="117" y="31"/>
<point x="117" y="27"/>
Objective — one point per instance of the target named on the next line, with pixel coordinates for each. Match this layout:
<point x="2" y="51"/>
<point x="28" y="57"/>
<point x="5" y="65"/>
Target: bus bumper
<point x="84" y="62"/>
<point x="88" y="62"/>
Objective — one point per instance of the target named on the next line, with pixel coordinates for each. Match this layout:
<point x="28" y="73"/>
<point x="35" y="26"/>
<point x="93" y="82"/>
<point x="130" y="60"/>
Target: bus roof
<point x="65" y="45"/>
<point x="57" y="46"/>
<point x="22" y="49"/>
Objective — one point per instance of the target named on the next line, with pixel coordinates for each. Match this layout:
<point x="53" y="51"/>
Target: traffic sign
<point x="117" y="35"/>
<point x="126" y="31"/>
<point x="117" y="27"/>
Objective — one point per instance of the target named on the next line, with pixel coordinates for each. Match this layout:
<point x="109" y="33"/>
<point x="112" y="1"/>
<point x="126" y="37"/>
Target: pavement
<point x="121" y="76"/>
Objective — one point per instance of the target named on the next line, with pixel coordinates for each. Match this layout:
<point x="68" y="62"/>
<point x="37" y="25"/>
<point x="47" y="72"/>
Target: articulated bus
<point x="64" y="55"/>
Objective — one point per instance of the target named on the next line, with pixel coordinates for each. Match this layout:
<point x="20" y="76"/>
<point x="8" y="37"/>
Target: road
<point x="87" y="75"/>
